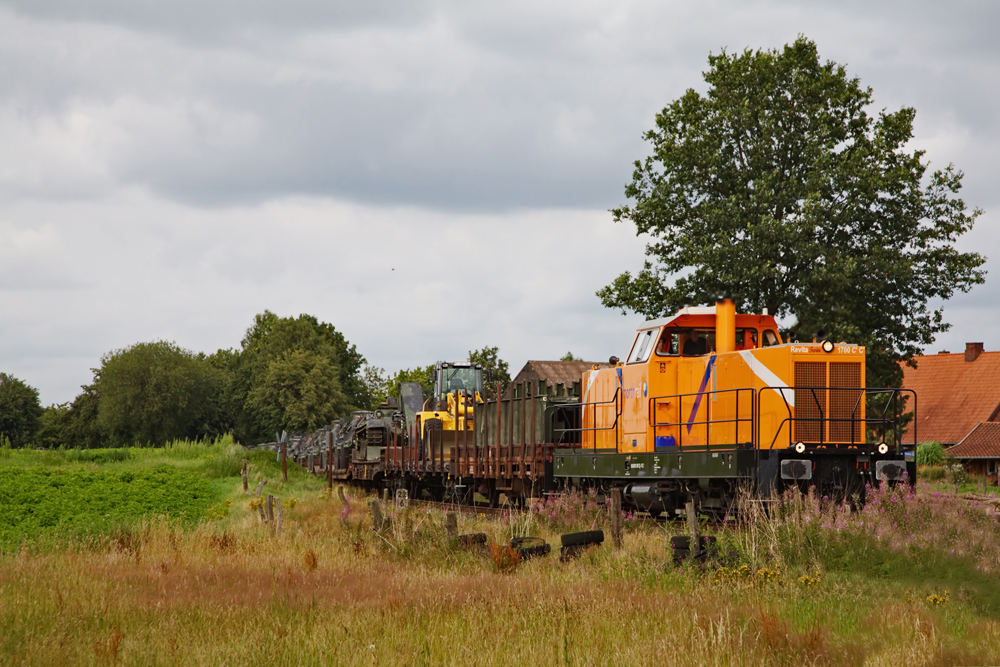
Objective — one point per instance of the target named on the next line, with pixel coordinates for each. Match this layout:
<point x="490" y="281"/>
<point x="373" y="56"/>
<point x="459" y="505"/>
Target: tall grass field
<point x="157" y="557"/>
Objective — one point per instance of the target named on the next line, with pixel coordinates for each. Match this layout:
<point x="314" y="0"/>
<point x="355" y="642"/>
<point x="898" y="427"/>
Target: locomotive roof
<point x="696" y="311"/>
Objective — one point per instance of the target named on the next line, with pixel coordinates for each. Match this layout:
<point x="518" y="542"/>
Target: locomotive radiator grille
<point x="810" y="404"/>
<point x="844" y="403"/>
<point x="818" y="412"/>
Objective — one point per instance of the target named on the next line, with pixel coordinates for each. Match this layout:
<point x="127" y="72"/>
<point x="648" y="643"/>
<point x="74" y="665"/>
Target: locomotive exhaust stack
<point x="725" y="326"/>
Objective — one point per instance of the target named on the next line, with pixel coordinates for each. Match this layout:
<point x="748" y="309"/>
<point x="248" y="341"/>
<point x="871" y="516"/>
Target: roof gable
<point x="552" y="373"/>
<point x="953" y="395"/>
<point x="982" y="442"/>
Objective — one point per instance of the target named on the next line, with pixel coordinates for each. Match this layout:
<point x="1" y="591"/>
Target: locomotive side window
<point x="771" y="338"/>
<point x="746" y="339"/>
<point x="696" y="342"/>
<point x="642" y="346"/>
<point x="669" y="342"/>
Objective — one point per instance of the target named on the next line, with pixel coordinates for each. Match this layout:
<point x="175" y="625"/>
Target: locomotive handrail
<point x="593" y="429"/>
<point x="895" y="396"/>
<point x="882" y="419"/>
<point x="708" y="422"/>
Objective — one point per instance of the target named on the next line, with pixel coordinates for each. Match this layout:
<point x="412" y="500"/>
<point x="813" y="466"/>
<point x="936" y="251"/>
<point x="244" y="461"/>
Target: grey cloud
<point x="462" y="107"/>
<point x="197" y="276"/>
<point x="224" y="20"/>
<point x="204" y="161"/>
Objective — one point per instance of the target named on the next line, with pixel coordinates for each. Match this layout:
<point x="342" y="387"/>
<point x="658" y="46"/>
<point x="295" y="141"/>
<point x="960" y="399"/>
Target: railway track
<point x="465" y="509"/>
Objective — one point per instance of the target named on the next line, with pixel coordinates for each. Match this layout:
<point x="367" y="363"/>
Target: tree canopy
<point x="155" y="392"/>
<point x="288" y="374"/>
<point x="299" y="391"/>
<point x="489" y="358"/>
<point x="780" y="188"/>
<point x="275" y="352"/>
<point x="422" y="374"/>
<point x="20" y="410"/>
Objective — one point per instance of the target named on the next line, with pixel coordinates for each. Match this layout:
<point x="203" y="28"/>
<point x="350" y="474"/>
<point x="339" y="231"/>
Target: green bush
<point x="958" y="474"/>
<point x="930" y="454"/>
<point x="99" y="456"/>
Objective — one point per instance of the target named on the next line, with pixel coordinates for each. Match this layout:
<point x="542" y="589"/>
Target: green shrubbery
<point x="930" y="454"/>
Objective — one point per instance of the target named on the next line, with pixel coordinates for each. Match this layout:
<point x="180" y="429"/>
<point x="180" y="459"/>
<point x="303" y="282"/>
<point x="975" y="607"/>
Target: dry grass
<point x="331" y="591"/>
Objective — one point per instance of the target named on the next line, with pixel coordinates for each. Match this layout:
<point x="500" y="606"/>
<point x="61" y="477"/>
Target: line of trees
<point x="293" y="374"/>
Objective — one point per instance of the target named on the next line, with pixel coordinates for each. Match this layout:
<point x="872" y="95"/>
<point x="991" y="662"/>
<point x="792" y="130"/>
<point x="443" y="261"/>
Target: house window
<point x="991" y="467"/>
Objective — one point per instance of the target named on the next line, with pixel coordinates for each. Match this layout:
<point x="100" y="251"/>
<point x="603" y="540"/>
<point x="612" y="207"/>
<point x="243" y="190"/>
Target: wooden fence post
<point x="329" y="462"/>
<point x="692" y="519"/>
<point x="451" y="525"/>
<point x="245" y="474"/>
<point x="269" y="508"/>
<point x="281" y="517"/>
<point x="260" y="487"/>
<point x="376" y="512"/>
<point x="284" y="461"/>
<point x="615" y="509"/>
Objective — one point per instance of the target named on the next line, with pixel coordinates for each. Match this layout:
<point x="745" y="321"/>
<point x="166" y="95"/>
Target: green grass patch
<point x="38" y="503"/>
<point x="79" y="494"/>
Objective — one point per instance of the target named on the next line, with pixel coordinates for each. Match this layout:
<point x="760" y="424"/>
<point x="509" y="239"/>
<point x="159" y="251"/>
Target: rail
<point x="552" y="411"/>
<point x="889" y="415"/>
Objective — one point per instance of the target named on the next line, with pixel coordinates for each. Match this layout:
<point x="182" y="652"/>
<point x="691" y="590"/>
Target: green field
<point x="48" y="496"/>
<point x="135" y="557"/>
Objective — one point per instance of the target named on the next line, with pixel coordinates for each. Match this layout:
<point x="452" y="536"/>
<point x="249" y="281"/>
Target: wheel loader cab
<point x="451" y="377"/>
<point x="458" y="386"/>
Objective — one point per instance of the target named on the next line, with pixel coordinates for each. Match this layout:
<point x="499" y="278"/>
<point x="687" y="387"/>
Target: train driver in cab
<point x="694" y="344"/>
<point x="663" y="348"/>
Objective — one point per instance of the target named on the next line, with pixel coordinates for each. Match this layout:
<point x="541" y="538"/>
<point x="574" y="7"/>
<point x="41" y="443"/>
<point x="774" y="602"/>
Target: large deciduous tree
<point x="20" y="410"/>
<point x="782" y="188"/>
<point x="155" y="392"/>
<point x="299" y="391"/>
<point x="277" y="351"/>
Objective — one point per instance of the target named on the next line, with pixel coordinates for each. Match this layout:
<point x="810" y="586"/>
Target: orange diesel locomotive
<point x="710" y="400"/>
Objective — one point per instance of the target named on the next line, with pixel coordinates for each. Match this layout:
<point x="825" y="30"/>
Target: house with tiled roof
<point x="958" y="405"/>
<point x="979" y="451"/>
<point x="563" y="376"/>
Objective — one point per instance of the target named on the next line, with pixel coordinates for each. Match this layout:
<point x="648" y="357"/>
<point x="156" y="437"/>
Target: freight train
<point x="708" y="405"/>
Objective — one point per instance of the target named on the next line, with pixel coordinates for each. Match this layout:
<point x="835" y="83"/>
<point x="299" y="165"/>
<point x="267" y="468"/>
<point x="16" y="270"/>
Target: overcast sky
<point x="430" y="177"/>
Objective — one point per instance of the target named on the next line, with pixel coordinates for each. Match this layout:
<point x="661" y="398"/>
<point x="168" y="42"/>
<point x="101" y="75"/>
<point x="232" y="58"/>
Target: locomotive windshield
<point x="686" y="342"/>
<point x="642" y="346"/>
<point x="460" y="378"/>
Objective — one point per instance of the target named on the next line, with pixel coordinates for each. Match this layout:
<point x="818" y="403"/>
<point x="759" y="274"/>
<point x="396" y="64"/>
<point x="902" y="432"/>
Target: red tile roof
<point x="983" y="442"/>
<point x="953" y="395"/>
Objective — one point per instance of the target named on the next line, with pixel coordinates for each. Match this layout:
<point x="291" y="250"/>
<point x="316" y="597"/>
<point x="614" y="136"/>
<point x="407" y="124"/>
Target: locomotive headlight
<point x="883" y="448"/>
<point x="800" y="447"/>
<point x="827" y="346"/>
